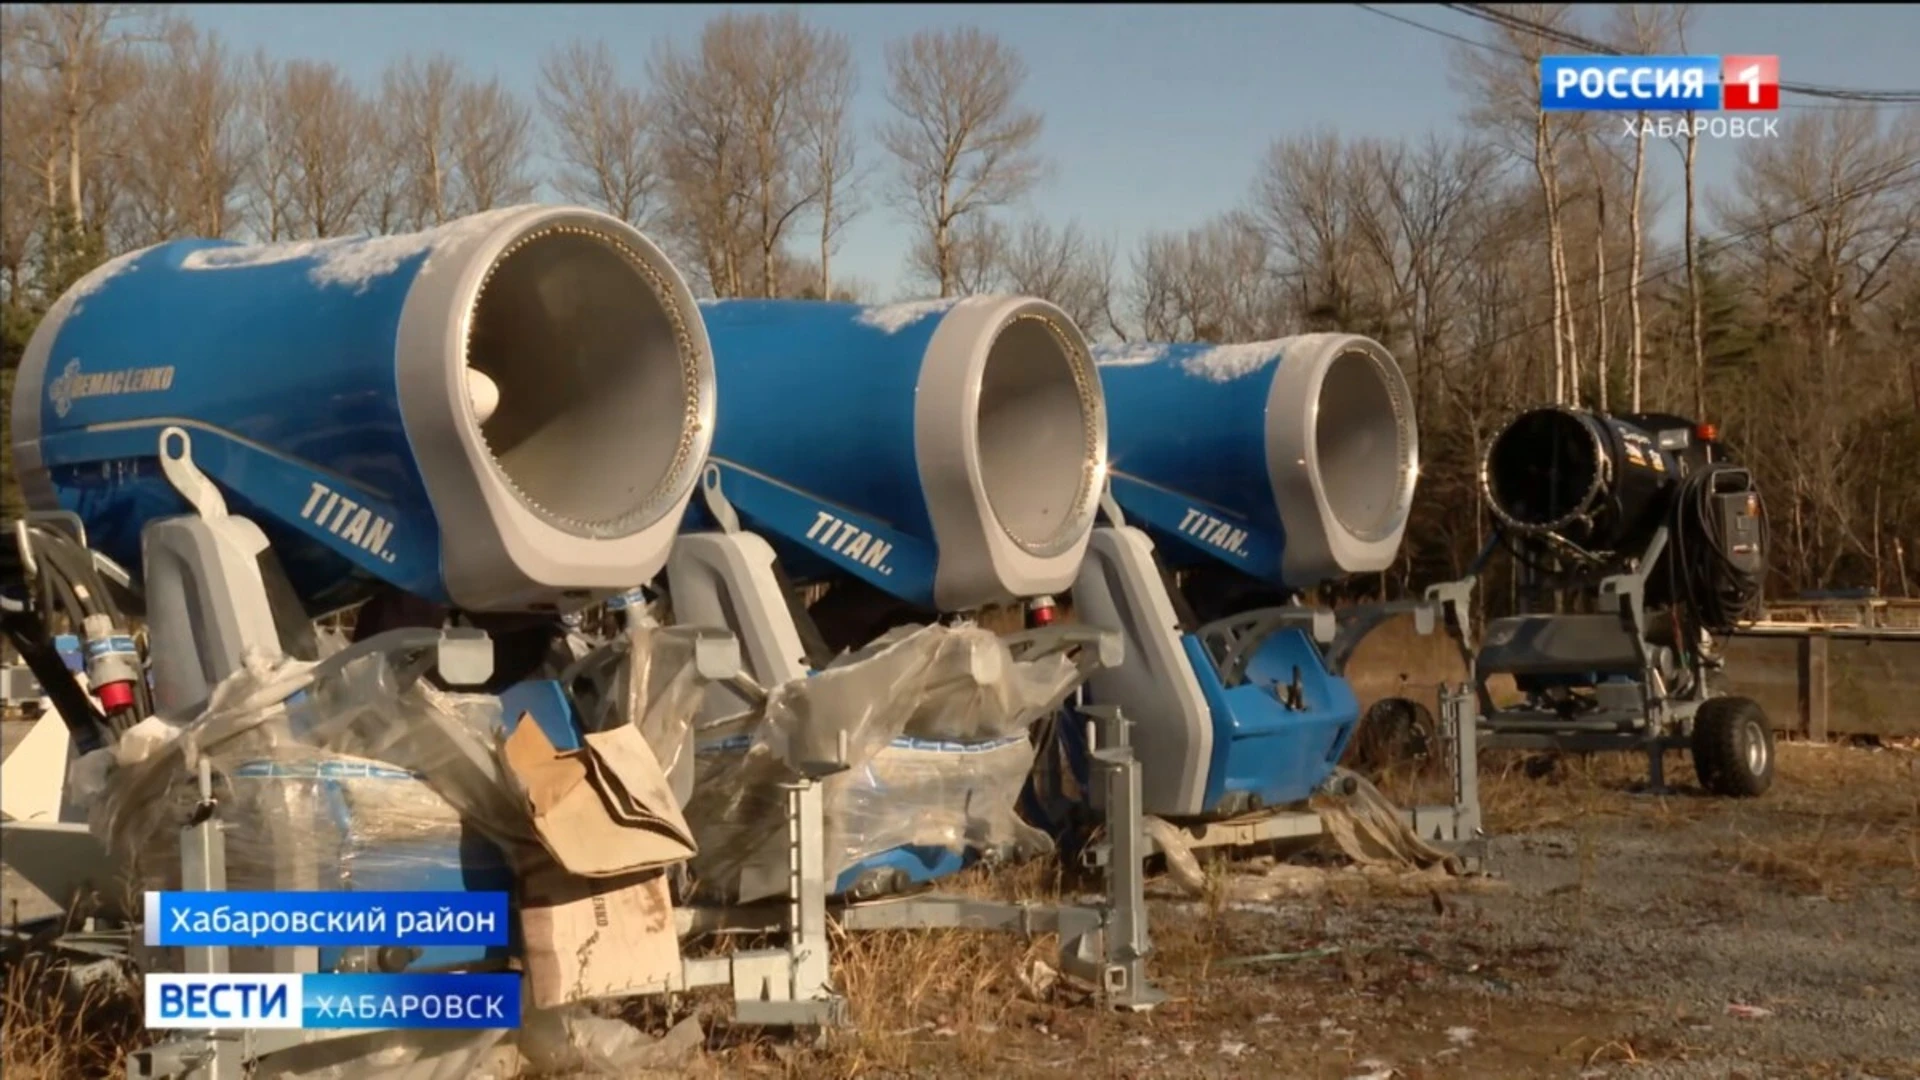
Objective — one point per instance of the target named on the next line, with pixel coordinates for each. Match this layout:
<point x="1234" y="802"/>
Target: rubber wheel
<point x="1394" y="731"/>
<point x="1733" y="748"/>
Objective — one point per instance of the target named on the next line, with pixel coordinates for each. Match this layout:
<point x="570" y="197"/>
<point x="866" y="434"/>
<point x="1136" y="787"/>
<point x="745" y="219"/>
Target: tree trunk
<point x="1600" y="292"/>
<point x="74" y="184"/>
<point x="1553" y="255"/>
<point x="826" y="237"/>
<point x="1637" y="355"/>
<point x="943" y="254"/>
<point x="1697" y="315"/>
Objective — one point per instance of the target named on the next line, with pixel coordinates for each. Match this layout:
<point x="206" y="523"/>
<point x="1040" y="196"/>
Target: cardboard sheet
<point x="602" y="811"/>
<point x="595" y="938"/>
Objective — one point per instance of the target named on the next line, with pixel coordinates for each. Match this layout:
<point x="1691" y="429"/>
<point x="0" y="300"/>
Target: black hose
<point x="76" y="708"/>
<point x="1715" y="589"/>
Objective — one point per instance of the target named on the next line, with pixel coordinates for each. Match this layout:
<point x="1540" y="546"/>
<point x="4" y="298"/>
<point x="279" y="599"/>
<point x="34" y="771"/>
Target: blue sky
<point x="1156" y="115"/>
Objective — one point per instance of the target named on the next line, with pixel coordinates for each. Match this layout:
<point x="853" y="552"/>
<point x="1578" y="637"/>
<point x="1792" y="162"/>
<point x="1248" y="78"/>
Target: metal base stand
<point x="1106" y="945"/>
<point x="1646" y="714"/>
<point x="1457" y="823"/>
<point x="1340" y="633"/>
<point x="788" y="986"/>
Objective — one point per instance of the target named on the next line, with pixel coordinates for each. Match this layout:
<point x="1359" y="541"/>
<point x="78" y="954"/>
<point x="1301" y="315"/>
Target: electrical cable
<point x="1894" y="176"/>
<point x="1846" y="99"/>
<point x="1715" y="589"/>
<point x="1510" y="21"/>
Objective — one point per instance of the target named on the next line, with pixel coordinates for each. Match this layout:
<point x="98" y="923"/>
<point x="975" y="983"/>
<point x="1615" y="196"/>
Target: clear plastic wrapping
<point x="365" y="777"/>
<point x="354" y="776"/>
<point x="648" y="677"/>
<point x="932" y="724"/>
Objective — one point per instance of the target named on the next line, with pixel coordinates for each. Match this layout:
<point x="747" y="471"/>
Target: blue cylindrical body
<point x="950" y="452"/>
<point x="820" y="396"/>
<point x="1198" y="436"/>
<point x="507" y="412"/>
<point x="1291" y="460"/>
<point x="257" y="356"/>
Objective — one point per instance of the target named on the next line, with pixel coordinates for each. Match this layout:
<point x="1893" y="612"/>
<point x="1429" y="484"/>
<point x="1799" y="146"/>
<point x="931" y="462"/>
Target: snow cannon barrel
<point x="951" y="453"/>
<point x="505" y="413"/>
<point x="1601" y="483"/>
<point x="1293" y="460"/>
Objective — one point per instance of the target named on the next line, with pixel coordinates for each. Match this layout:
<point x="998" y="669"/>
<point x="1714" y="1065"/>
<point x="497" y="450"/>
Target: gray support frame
<point x="1108" y="946"/>
<point x="463" y="656"/>
<point x="788" y="986"/>
<point x="1657" y="720"/>
<point x="1446" y="607"/>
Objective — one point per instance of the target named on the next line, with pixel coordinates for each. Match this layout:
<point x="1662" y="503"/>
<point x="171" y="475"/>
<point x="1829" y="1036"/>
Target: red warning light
<point x="1707" y="433"/>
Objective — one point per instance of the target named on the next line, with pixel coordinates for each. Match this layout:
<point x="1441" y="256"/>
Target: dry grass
<point x="52" y="1031"/>
<point x="978" y="1003"/>
<point x="1842" y="818"/>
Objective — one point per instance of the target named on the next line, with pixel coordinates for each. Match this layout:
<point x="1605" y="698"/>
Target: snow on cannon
<point x="503" y="417"/>
<point x="875" y="470"/>
<point x="1647" y="522"/>
<point x="440" y="414"/>
<point x="1242" y="475"/>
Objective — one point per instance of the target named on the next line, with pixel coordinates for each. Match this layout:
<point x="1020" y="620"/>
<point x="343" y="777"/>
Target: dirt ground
<point x="1622" y="935"/>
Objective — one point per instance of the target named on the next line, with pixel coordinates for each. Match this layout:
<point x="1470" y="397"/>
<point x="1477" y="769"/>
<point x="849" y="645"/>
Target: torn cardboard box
<point x="604" y="810"/>
<point x="595" y="912"/>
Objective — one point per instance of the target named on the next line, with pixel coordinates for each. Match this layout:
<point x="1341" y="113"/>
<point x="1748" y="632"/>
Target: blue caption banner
<point x="230" y="1002"/>
<point x="1629" y="83"/>
<point x="324" y="919"/>
<point x="410" y="1001"/>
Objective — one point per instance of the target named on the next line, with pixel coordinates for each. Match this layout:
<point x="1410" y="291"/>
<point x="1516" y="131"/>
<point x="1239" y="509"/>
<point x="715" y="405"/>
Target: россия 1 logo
<point x="1668" y="84"/>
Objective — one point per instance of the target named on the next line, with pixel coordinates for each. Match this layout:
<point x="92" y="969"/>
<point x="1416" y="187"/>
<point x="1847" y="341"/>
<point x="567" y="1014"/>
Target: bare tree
<point x="736" y="138"/>
<point x="190" y="141"/>
<point x="1598" y="167"/>
<point x="1421" y="229"/>
<point x="1682" y="17"/>
<point x="491" y="147"/>
<point x="29" y="167"/>
<point x="1213" y="283"/>
<point x="84" y="53"/>
<point x="392" y="195"/>
<point x="830" y="133"/>
<point x="976" y="256"/>
<point x="1507" y="85"/>
<point x="272" y="171"/>
<point x="776" y="59"/>
<point x="601" y="129"/>
<point x="1641" y="30"/>
<point x="417" y="103"/>
<point x="702" y="143"/>
<point x="962" y="141"/>
<point x="1064" y="266"/>
<point x="323" y="123"/>
<point x="1305" y="201"/>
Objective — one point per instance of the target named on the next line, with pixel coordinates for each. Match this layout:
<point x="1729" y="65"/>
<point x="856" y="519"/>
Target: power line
<point x="1461" y="38"/>
<point x="1872" y="186"/>
<point x="1502" y="51"/>
<point x="1487" y="13"/>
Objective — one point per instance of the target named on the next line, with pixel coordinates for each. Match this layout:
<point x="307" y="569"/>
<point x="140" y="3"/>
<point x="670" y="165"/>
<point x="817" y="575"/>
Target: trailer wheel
<point x="1733" y="748"/>
<point x="1395" y="731"/>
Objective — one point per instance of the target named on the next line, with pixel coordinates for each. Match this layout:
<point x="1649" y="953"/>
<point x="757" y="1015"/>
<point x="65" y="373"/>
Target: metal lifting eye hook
<point x="176" y="463"/>
<point x="723" y="512"/>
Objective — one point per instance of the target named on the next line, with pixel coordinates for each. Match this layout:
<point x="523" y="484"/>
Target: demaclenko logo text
<point x="74" y="384"/>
